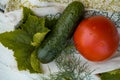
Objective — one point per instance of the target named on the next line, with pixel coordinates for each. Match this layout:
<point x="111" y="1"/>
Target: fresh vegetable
<point x="55" y="41"/>
<point x="25" y="39"/>
<point x="96" y="38"/>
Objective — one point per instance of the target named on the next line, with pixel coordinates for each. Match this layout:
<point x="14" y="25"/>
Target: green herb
<point x="70" y="67"/>
<point x="112" y="75"/>
<point x="24" y="41"/>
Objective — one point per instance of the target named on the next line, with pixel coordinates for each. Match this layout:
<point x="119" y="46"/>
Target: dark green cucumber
<point x="55" y="41"/>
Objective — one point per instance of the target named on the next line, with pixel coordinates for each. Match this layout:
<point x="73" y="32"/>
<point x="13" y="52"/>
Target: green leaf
<point x="35" y="63"/>
<point x="26" y="12"/>
<point x="112" y="75"/>
<point x="38" y="38"/>
<point x="34" y="25"/>
<point x="19" y="41"/>
<point x="32" y="30"/>
<point x="25" y="40"/>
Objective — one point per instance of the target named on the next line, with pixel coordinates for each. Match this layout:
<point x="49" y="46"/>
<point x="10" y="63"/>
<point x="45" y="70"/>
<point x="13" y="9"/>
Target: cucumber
<point x="55" y="41"/>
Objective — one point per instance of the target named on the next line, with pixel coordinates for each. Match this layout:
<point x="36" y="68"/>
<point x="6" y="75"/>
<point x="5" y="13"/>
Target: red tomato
<point x="96" y="38"/>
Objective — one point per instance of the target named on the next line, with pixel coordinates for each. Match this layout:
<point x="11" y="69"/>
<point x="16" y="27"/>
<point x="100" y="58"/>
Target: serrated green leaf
<point x="31" y="30"/>
<point x="35" y="63"/>
<point x="34" y="25"/>
<point x="26" y="12"/>
<point x="38" y="38"/>
<point x="25" y="40"/>
<point x="19" y="41"/>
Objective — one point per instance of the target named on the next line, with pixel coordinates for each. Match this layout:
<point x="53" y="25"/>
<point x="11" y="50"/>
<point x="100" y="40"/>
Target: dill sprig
<point x="70" y="67"/>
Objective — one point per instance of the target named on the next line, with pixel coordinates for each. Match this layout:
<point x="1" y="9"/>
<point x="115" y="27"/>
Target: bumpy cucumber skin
<point x="55" y="41"/>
